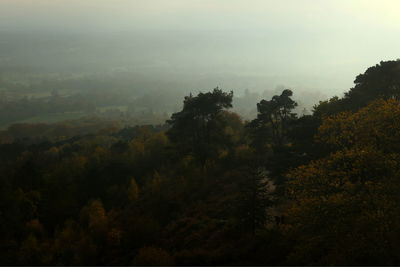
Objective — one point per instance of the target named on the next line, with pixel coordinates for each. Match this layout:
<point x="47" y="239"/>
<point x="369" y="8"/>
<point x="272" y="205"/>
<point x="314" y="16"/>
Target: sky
<point x="200" y="14"/>
<point x="308" y="43"/>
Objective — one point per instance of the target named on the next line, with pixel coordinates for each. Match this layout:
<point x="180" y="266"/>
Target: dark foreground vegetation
<point x="208" y="188"/>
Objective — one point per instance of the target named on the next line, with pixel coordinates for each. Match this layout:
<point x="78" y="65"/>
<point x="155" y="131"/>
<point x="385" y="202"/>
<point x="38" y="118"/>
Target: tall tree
<point x="194" y="127"/>
<point x="273" y="118"/>
<point x="256" y="198"/>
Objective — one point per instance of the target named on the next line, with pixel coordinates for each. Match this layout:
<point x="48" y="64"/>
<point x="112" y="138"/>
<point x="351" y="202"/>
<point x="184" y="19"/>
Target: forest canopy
<point x="208" y="187"/>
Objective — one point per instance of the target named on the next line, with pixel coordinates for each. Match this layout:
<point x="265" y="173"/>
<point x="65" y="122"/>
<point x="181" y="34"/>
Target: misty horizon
<point x="302" y="45"/>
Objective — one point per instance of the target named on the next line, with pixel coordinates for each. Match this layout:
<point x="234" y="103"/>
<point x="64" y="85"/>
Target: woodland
<point x="206" y="186"/>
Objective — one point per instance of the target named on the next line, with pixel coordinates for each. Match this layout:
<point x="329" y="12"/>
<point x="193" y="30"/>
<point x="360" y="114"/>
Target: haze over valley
<point x="199" y="133"/>
<point x="189" y="46"/>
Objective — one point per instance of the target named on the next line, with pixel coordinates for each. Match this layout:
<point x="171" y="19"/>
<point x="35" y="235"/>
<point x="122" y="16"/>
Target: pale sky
<point x="201" y="14"/>
<point x="328" y="41"/>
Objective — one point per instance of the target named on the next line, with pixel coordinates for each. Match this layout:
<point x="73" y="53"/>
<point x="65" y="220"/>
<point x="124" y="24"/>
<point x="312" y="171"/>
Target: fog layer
<point x="308" y="45"/>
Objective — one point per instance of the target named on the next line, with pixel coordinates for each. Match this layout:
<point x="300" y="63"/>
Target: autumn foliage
<point x="208" y="188"/>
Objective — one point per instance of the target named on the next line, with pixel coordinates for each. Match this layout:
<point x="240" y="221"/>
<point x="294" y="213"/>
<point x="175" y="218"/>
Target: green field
<point x="50" y="118"/>
<point x="120" y="108"/>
